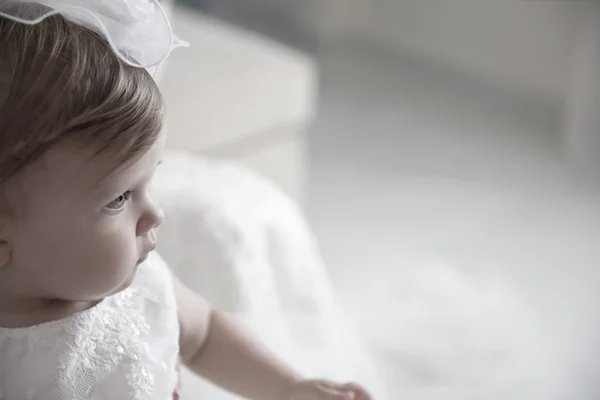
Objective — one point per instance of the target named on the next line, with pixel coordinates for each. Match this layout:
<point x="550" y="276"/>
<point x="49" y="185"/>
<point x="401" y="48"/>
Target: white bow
<point x="139" y="31"/>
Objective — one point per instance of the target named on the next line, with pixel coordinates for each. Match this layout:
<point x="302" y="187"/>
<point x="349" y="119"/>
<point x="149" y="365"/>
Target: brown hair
<point x="60" y="81"/>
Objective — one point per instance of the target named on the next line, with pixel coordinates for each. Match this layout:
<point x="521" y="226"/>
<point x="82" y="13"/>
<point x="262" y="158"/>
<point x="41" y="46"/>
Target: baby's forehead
<point x="75" y="169"/>
<point x="87" y="170"/>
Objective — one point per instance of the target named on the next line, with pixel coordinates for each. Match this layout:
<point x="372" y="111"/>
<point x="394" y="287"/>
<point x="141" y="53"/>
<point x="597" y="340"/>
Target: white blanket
<point x="241" y="243"/>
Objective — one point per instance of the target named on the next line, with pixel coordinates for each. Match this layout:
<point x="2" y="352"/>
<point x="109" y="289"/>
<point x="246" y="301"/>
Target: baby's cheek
<point x="43" y="243"/>
<point x="117" y="248"/>
<point x="109" y="256"/>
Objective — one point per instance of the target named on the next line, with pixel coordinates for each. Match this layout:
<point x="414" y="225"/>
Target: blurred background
<point x="446" y="153"/>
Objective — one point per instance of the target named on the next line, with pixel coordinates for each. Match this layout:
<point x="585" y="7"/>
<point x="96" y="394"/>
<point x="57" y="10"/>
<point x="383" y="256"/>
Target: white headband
<point x="138" y="30"/>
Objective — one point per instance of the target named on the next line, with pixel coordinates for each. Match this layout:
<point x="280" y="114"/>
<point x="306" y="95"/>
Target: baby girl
<point x="87" y="309"/>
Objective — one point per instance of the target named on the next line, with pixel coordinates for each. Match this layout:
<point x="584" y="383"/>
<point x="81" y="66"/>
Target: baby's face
<point x="83" y="229"/>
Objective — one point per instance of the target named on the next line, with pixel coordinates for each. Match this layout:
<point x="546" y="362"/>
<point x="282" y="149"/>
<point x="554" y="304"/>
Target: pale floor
<point x="428" y="189"/>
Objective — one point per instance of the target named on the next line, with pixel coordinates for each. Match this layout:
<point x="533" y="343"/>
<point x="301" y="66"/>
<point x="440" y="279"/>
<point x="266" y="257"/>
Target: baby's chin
<point x="126" y="283"/>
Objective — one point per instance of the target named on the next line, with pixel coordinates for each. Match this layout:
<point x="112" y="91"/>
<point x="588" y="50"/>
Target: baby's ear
<point x="5" y="238"/>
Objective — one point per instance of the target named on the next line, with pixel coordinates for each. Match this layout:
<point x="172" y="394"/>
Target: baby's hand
<point x="325" y="390"/>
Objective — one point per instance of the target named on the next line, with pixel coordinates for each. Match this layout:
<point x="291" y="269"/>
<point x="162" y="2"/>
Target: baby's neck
<point x="19" y="313"/>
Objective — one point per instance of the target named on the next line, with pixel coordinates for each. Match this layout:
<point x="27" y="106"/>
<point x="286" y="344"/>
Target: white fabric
<point x="138" y="30"/>
<point x="126" y="347"/>
<point x="240" y="242"/>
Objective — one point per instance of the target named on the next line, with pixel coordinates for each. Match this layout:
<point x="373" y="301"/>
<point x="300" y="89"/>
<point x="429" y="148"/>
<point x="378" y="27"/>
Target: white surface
<point x="231" y="84"/>
<point x="437" y="204"/>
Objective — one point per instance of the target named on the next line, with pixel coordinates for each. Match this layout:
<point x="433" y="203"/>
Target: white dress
<point x="125" y="348"/>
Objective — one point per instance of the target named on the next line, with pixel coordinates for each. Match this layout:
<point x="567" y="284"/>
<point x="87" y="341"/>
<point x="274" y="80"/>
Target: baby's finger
<point x="359" y="392"/>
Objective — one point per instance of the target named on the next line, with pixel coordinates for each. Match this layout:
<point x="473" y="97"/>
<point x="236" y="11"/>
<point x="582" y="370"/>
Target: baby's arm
<point x="224" y="352"/>
<point x="215" y="347"/>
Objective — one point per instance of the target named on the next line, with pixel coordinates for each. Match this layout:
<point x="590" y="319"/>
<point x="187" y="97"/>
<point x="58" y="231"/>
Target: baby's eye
<point x="120" y="202"/>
